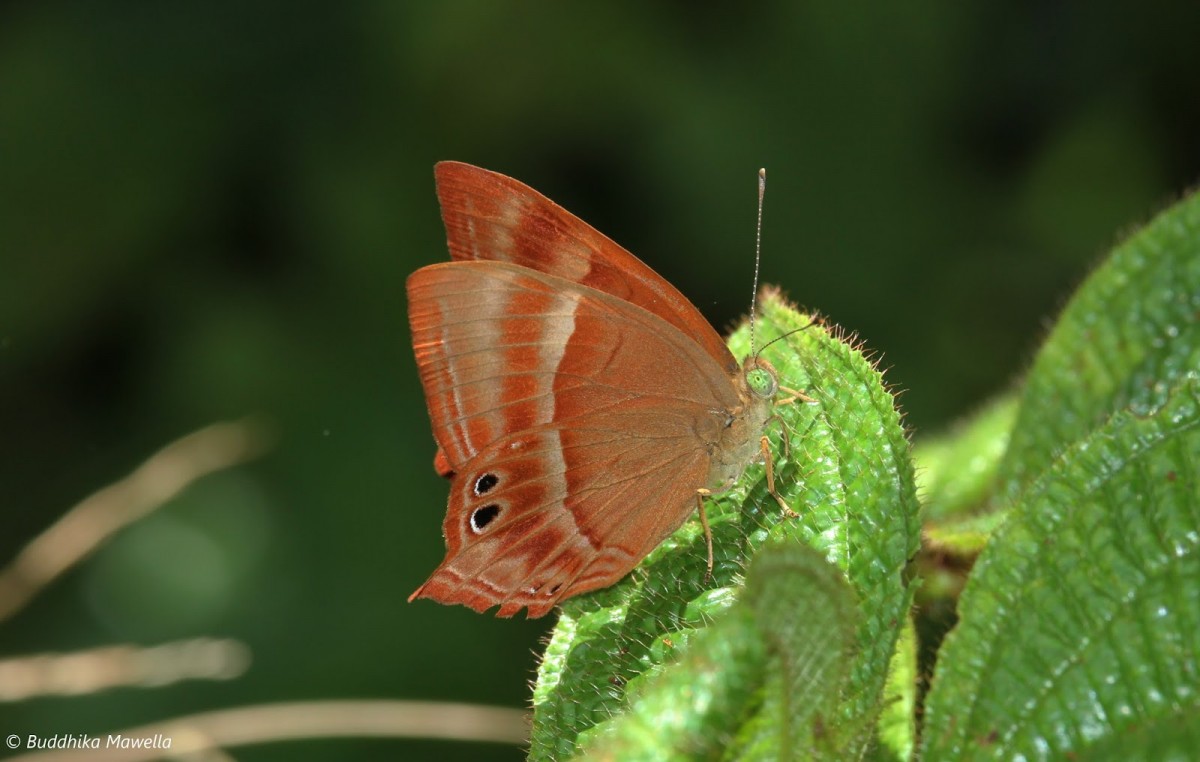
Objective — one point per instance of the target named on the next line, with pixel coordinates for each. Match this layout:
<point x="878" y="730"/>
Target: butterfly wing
<point x="489" y="216"/>
<point x="577" y="427"/>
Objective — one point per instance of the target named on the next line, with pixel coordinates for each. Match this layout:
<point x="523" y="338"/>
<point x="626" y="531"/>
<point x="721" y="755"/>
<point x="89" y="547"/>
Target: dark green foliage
<point x="1080" y="624"/>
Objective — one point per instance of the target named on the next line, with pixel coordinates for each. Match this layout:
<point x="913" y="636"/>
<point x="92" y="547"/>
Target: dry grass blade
<point x="207" y="733"/>
<point x="98" y="669"/>
<point x="86" y="526"/>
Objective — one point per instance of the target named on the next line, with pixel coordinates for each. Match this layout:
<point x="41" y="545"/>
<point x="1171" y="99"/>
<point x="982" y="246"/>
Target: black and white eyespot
<point x="481" y="517"/>
<point x="485" y="483"/>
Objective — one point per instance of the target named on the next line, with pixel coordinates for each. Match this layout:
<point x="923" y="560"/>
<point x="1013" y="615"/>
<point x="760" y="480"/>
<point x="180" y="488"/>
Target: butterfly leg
<point x="770" y="464"/>
<point x="702" y="493"/>
<point x="785" y="440"/>
<point x="795" y="395"/>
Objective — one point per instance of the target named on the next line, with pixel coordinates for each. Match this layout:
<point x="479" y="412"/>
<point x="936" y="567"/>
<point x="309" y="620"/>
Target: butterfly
<point x="583" y="408"/>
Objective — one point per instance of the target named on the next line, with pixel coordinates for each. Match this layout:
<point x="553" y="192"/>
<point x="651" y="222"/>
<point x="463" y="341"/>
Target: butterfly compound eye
<point x="481" y="517"/>
<point x="762" y="381"/>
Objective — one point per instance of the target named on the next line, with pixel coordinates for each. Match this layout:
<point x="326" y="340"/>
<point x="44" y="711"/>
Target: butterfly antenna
<point x="762" y="190"/>
<point x="811" y="323"/>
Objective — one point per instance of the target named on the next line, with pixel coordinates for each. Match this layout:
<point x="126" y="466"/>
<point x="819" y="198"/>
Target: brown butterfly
<point x="581" y="405"/>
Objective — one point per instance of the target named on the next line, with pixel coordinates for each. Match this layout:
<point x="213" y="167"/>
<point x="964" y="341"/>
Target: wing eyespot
<point x="485" y="483"/>
<point x="481" y="517"/>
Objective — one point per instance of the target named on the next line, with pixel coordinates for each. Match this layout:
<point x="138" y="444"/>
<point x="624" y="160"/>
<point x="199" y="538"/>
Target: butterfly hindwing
<point x="501" y="348"/>
<point x="577" y="427"/>
<point x="525" y="529"/>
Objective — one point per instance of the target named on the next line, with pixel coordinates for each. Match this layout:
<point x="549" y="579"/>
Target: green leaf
<point x="956" y="472"/>
<point x="1082" y="620"/>
<point x="898" y="723"/>
<point x="956" y="478"/>
<point x="1126" y="337"/>
<point x="1173" y="738"/>
<point x="767" y="673"/>
<point x="962" y="535"/>
<point x="849" y="475"/>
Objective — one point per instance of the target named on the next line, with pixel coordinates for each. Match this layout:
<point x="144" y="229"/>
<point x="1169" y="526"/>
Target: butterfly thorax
<point x="738" y="444"/>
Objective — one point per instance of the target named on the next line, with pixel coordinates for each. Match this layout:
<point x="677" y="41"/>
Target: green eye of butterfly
<point x="762" y="382"/>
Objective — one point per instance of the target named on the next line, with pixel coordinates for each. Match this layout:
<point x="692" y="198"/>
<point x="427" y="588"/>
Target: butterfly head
<point x="761" y="379"/>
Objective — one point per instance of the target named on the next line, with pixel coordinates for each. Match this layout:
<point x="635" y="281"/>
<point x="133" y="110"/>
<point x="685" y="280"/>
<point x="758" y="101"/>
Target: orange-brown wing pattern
<point x="576" y="424"/>
<point x="489" y="216"/>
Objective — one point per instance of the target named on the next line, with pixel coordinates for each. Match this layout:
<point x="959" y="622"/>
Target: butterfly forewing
<point x="489" y="216"/>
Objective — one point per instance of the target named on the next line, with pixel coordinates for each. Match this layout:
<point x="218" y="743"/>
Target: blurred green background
<point x="209" y="210"/>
